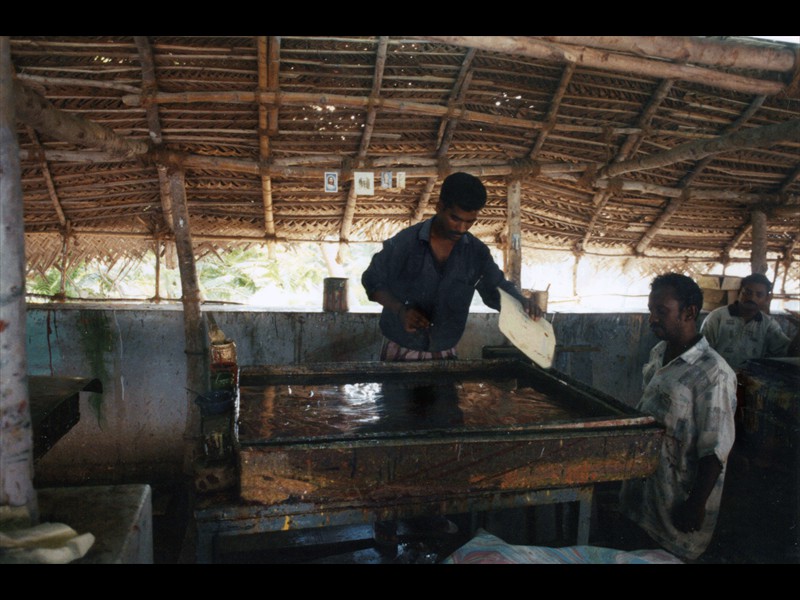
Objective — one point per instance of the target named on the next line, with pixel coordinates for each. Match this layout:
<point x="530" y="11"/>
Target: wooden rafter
<point x="628" y="148"/>
<point x="35" y="110"/>
<point x="750" y="138"/>
<point x="277" y="99"/>
<point x="632" y="143"/>
<point x="268" y="60"/>
<point x="552" y="112"/>
<point x="598" y="59"/>
<point x="150" y="86"/>
<point x="286" y="168"/>
<point x="690" y="50"/>
<point x="48" y="179"/>
<point x="673" y="204"/>
<point x="446" y="131"/>
<point x="507" y="128"/>
<point x="377" y="82"/>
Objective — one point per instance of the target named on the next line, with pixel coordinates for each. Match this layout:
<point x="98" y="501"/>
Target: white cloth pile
<point x="44" y="543"/>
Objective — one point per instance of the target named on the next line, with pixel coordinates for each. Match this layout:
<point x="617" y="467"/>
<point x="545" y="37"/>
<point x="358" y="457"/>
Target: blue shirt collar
<point x="425" y="232"/>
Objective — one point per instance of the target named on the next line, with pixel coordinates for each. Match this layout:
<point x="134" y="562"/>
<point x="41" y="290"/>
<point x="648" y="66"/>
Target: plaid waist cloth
<point x="395" y="353"/>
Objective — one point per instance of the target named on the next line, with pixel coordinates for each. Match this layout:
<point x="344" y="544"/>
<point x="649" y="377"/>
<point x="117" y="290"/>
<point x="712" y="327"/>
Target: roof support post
<point x="195" y="330"/>
<point x="16" y="431"/>
<point x="758" y="252"/>
<point x="514" y="239"/>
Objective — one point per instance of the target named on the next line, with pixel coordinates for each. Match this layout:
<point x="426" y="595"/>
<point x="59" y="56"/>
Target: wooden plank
<point x="369" y="474"/>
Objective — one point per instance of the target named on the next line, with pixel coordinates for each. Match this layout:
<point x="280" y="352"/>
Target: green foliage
<point x="292" y="277"/>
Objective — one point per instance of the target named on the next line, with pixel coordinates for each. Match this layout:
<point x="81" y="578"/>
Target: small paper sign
<point x="331" y="181"/>
<point x="401" y="180"/>
<point x="364" y="182"/>
<point x="386" y="179"/>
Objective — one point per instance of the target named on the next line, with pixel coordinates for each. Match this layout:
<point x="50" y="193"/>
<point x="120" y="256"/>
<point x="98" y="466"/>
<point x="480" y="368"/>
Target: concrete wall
<point x="133" y="432"/>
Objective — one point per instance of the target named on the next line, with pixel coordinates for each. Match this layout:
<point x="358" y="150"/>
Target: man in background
<point x="691" y="390"/>
<point x="743" y="330"/>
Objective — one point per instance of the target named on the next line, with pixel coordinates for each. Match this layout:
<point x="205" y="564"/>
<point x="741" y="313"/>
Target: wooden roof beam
<point x="620" y="63"/>
<point x="273" y="83"/>
<point x="268" y="63"/>
<point x="35" y="110"/>
<point x="632" y="143"/>
<point x="389" y="104"/>
<point x="790" y="180"/>
<point x="552" y="112"/>
<point x="48" y="179"/>
<point x="447" y="129"/>
<point x="292" y="167"/>
<point x="629" y="146"/>
<point x="788" y="131"/>
<point x="150" y="86"/>
<point x="377" y="82"/>
<point x="691" y="50"/>
<point x="674" y="204"/>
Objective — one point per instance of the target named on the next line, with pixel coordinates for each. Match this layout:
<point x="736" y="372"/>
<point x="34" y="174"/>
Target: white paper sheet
<point x="535" y="338"/>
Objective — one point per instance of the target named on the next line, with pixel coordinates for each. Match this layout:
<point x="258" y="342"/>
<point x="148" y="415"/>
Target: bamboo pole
<point x="264" y="149"/>
<point x="16" y="432"/>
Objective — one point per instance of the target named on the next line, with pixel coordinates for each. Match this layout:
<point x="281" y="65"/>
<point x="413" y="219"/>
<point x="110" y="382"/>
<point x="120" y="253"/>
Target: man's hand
<point x="533" y="310"/>
<point x="413" y="319"/>
<point x="689" y="516"/>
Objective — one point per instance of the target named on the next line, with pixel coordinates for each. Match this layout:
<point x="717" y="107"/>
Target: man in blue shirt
<point x="426" y="275"/>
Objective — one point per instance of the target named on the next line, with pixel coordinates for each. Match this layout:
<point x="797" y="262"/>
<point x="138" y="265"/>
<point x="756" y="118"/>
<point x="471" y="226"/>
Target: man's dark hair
<point x="463" y="190"/>
<point x="687" y="292"/>
<point x="759" y="278"/>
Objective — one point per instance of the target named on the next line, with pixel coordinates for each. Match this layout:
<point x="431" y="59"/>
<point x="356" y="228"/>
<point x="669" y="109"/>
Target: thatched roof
<point x="640" y="146"/>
